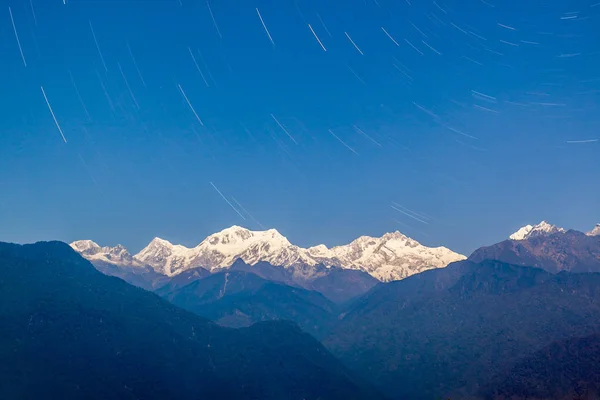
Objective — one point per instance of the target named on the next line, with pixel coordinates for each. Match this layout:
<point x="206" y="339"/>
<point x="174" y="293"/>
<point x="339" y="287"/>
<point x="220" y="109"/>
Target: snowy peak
<point x="222" y="249"/>
<point x="86" y="247"/>
<point x="158" y="242"/>
<point x="219" y="250"/>
<point x="237" y="238"/>
<point x="117" y="255"/>
<point x="541" y="229"/>
<point x="389" y="257"/>
<point x="595" y="231"/>
<point x="160" y="254"/>
<point x="522" y="233"/>
<point x="318" y="251"/>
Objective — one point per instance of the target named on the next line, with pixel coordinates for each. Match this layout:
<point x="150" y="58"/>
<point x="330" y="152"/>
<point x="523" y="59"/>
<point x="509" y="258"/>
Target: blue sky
<point x="474" y="128"/>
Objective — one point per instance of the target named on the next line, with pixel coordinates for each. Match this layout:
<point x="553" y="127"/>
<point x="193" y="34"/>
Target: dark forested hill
<point x="450" y="330"/>
<point x="67" y="331"/>
<point x="239" y="298"/>
<point x="337" y="284"/>
<point x="567" y="369"/>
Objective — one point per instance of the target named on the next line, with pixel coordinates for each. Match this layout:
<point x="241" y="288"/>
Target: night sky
<point x="453" y="121"/>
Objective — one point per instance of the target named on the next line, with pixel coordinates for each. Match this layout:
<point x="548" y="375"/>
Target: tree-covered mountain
<point x="68" y="331"/>
<point x="446" y="332"/>
<point x="172" y="284"/>
<point x="567" y="369"/>
<point x="140" y="276"/>
<point x="238" y="299"/>
<point x="337" y="284"/>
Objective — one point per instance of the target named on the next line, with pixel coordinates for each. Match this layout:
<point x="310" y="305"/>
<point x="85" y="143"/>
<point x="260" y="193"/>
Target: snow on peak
<point x="86" y="247"/>
<point x="595" y="231"/>
<point x="318" y="251"/>
<point x="541" y="229"/>
<point x="389" y="257"/>
<point x="394" y="235"/>
<point x="117" y="255"/>
<point x="237" y="238"/>
<point x="160" y="254"/>
<point x="158" y="242"/>
<point x="220" y="250"/>
<point x="522" y="233"/>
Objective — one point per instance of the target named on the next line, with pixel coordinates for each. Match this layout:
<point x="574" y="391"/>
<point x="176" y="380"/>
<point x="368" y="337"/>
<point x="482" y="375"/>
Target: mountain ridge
<point x="552" y="250"/>
<point x="542" y="229"/>
<point x="444" y="332"/>
<point x="70" y="332"/>
<point x="239" y="299"/>
<point x="390" y="257"/>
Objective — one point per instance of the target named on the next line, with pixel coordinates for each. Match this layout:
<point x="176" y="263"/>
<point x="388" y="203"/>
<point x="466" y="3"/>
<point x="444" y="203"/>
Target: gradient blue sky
<point x="139" y="164"/>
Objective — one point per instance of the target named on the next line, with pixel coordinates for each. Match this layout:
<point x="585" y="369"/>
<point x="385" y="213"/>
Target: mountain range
<point x="390" y="257"/>
<point x="531" y="231"/>
<point x="545" y="229"/>
<point x="548" y="247"/>
<point x="516" y="319"/>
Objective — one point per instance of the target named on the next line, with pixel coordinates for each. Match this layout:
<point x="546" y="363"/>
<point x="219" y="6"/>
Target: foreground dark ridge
<point x="67" y="331"/>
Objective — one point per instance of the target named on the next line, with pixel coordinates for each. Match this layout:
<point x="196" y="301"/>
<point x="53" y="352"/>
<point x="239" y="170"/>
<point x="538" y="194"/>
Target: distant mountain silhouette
<point x="238" y="299"/>
<point x="181" y="280"/>
<point x="411" y="290"/>
<point x="337" y="284"/>
<point x="568" y="369"/>
<point x="69" y="332"/>
<point x="446" y="332"/>
<point x="343" y="285"/>
<point x="563" y="251"/>
<point x="143" y="277"/>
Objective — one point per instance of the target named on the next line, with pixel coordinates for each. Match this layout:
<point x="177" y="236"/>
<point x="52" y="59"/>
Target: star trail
<point x="314" y="115"/>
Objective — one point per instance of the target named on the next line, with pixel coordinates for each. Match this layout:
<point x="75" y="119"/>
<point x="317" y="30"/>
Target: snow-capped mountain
<point x="117" y="255"/>
<point x="541" y="229"/>
<point x="595" y="231"/>
<point x="550" y="248"/>
<point x="390" y="257"/>
<point x="221" y="249"/>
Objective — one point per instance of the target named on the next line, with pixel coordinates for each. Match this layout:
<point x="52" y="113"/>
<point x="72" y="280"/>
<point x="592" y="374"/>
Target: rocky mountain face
<point x="531" y="231"/>
<point x="548" y="247"/>
<point x="390" y="257"/>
